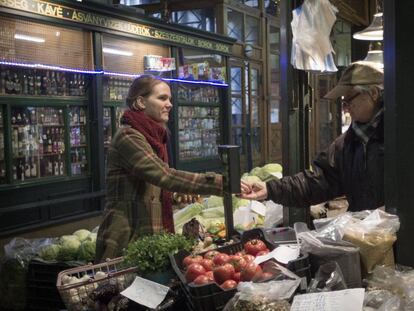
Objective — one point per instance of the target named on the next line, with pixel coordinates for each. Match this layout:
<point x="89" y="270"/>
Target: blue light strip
<point x="98" y="72"/>
<point x="215" y="83"/>
<point x="49" y="67"/>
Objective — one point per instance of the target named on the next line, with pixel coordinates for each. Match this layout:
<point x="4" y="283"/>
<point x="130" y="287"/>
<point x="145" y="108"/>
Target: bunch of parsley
<point x="150" y="253"/>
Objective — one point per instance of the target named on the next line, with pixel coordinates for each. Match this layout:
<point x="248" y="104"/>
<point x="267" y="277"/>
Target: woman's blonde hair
<point x="141" y="86"/>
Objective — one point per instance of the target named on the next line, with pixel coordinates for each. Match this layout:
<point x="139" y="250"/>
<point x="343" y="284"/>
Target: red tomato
<point x="201" y="280"/>
<point x="223" y="273"/>
<point x="192" y="259"/>
<point x="207" y="264"/>
<point x="193" y="271"/>
<point x="229" y="284"/>
<point x="254" y="246"/>
<point x="241" y="253"/>
<point x="238" y="262"/>
<point x="251" y="272"/>
<point x="236" y="277"/>
<point x="263" y="252"/>
<point x="210" y="254"/>
<point x="210" y="275"/>
<point x="248" y="258"/>
<point x="221" y="259"/>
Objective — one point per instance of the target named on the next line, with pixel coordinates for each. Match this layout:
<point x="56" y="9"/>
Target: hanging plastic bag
<point x="311" y="26"/>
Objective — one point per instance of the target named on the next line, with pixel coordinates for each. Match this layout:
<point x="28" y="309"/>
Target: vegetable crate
<point x="42" y="293"/>
<point x="76" y="295"/>
<point x="211" y="297"/>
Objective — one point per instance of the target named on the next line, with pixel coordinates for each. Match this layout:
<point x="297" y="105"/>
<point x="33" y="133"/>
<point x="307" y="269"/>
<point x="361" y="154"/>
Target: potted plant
<point x="150" y="254"/>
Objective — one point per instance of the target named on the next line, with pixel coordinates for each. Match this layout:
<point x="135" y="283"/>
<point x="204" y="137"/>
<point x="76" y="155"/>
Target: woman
<point x="139" y="179"/>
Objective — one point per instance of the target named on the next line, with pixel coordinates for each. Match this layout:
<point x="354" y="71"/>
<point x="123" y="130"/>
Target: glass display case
<point x="48" y="124"/>
<point x="38" y="142"/>
<point x="78" y="140"/>
<point x="198" y="132"/>
<point x="198" y="109"/>
<point x="2" y="156"/>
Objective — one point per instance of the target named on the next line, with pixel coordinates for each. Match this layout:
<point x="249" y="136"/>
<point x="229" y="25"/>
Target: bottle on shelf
<point x="33" y="168"/>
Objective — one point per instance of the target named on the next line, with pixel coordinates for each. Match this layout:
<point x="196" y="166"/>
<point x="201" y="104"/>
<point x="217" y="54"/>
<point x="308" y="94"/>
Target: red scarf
<point x="157" y="137"/>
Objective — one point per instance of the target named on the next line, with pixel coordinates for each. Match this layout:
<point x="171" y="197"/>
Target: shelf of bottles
<point x="198" y="132"/>
<point x="198" y="121"/>
<point x="38" y="142"/>
<point x="191" y="94"/>
<point x="39" y="82"/>
<point x="2" y="162"/>
<point x="116" y="88"/>
<point x="78" y="140"/>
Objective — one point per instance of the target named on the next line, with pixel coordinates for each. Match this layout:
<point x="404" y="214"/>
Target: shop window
<point x="236" y="111"/>
<point x="250" y="3"/>
<point x="201" y="19"/>
<point x="252" y="30"/>
<point x="28" y="42"/>
<point x="235" y="25"/>
<point x="272" y="7"/>
<point x="2" y="158"/>
<point x="342" y="43"/>
<point x="196" y="65"/>
<point x="274" y="111"/>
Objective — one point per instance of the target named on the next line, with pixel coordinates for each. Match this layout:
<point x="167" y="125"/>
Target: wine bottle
<point x="56" y="168"/>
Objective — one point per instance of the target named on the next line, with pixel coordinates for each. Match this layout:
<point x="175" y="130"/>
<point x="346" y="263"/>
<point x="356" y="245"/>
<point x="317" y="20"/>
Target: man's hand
<point x="258" y="192"/>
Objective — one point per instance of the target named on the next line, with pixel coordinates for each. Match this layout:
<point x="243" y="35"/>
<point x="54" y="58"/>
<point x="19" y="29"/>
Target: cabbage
<point x="188" y="212"/>
<point x="251" y="179"/>
<point x="214" y="212"/>
<point x="87" y="250"/>
<point x="82" y="234"/>
<point x="92" y="237"/>
<point x="49" y="252"/>
<point x="69" y="247"/>
<point x="237" y="202"/>
<point x="214" y="201"/>
<point x="273" y="168"/>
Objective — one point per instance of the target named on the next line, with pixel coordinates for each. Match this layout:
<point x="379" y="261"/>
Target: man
<point x="353" y="165"/>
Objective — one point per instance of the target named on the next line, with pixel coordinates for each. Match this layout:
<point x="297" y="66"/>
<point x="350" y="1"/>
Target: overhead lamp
<point x="375" y="55"/>
<point x="374" y="32"/>
<point x="29" y="38"/>
<point x="117" y="52"/>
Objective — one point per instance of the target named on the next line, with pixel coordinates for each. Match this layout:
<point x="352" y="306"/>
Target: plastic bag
<point x="311" y="25"/>
<point x="374" y="235"/>
<point x="274" y="214"/>
<point x="268" y="296"/>
<point x="322" y="250"/>
<point x="381" y="300"/>
<point x="329" y="277"/>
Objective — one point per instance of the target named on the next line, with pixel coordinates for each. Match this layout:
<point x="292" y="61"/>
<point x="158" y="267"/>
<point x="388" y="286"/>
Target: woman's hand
<point x="258" y="191"/>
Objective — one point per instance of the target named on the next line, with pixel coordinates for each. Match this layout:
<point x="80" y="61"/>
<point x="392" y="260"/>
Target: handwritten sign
<point x="342" y="300"/>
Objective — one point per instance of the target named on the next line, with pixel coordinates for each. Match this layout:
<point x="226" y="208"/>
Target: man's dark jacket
<point x="345" y="168"/>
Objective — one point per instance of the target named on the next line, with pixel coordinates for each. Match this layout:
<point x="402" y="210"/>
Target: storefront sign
<point x="80" y="16"/>
<point x="158" y="63"/>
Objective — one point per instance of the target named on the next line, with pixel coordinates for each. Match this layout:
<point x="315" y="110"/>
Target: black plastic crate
<point x="42" y="294"/>
<point x="211" y="297"/>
